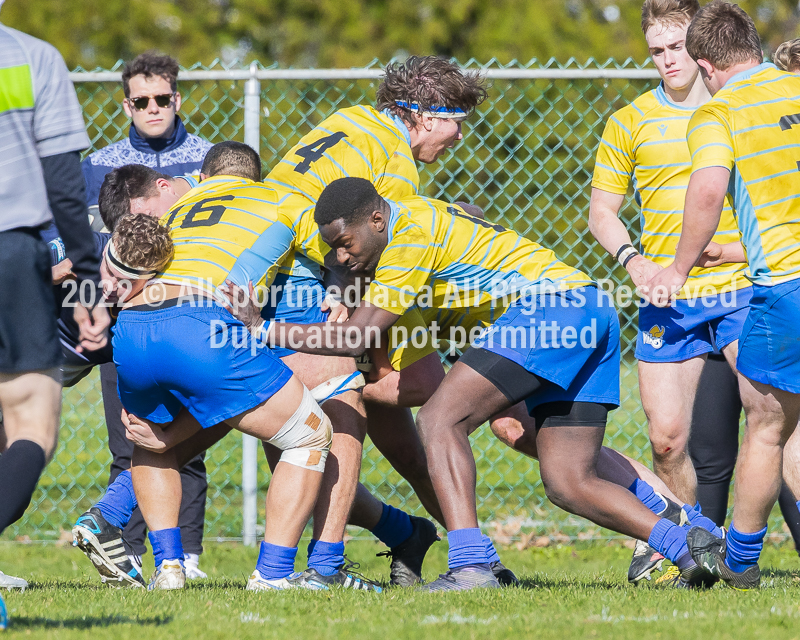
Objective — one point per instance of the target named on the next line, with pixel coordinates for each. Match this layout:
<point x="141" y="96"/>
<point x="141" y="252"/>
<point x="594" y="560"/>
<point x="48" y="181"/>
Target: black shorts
<point x="28" y="334"/>
<point x="517" y="383"/>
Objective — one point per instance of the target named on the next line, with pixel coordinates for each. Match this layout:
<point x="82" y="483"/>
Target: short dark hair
<point x="142" y="242"/>
<point x="232" y="159"/>
<point x="122" y="185"/>
<point x="348" y="199"/>
<point x="429" y="81"/>
<point x="723" y="34"/>
<point x="668" y="12"/>
<point x="150" y="64"/>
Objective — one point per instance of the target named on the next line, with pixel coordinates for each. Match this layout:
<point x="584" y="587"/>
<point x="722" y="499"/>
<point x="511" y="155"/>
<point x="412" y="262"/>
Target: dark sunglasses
<point x="162" y="101"/>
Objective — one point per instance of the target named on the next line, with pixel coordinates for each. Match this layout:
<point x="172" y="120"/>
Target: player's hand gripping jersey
<point x="754" y="122"/>
<point x="646" y="141"/>
<point x="223" y="229"/>
<point x="468" y="263"/>
<point x="355" y="142"/>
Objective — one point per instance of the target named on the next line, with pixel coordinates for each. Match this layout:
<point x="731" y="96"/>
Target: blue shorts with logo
<point x="582" y="359"/>
<point x="196" y="356"/>
<point x="691" y="328"/>
<point x="294" y="299"/>
<point x="769" y="348"/>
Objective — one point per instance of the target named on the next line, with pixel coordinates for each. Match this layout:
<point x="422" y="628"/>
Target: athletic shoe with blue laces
<point x="710" y="552"/>
<point x="344" y="578"/>
<point x="102" y="543"/>
<point x="471" y="576"/>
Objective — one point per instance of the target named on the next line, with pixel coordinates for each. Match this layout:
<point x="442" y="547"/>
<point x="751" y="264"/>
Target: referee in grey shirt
<point x="41" y="135"/>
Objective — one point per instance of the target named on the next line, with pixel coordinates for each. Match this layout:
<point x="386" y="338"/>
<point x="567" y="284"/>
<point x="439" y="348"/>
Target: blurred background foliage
<point x="331" y="33"/>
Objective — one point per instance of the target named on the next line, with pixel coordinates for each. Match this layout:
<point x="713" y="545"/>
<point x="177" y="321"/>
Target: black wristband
<point x="621" y="249"/>
<point x="629" y="258"/>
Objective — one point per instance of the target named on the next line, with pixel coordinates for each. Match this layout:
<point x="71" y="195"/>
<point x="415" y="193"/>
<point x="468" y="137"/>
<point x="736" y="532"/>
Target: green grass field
<point x="566" y="592"/>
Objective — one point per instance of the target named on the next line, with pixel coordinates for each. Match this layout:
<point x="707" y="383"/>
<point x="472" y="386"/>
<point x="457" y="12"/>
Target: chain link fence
<point x="526" y="158"/>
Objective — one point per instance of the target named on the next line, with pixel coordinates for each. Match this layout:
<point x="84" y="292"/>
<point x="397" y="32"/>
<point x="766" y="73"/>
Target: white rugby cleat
<point x="257" y="583"/>
<point x="170" y="575"/>
<point x="12" y="582"/>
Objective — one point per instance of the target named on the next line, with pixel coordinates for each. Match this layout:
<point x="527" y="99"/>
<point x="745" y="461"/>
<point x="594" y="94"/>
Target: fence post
<point x="252" y="137"/>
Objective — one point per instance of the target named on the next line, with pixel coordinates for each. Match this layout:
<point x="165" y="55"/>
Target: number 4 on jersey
<point x="314" y="151"/>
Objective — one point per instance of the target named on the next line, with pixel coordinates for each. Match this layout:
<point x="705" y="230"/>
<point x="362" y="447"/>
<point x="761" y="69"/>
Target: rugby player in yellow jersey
<point x="553" y="341"/>
<point x="745" y="145"/>
<point x="182" y="359"/>
<point x="645" y="143"/>
<point x="420" y="109"/>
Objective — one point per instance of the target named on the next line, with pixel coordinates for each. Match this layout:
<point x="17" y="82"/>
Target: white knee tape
<point x="305" y="439"/>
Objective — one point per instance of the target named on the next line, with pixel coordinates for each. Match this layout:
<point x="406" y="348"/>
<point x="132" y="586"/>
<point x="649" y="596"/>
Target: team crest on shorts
<point x="654" y="337"/>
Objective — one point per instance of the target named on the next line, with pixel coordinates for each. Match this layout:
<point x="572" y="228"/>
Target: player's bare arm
<point x="611" y="233"/>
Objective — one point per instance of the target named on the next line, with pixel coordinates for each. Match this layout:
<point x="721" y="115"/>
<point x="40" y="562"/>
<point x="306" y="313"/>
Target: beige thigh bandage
<point x="305" y="439"/>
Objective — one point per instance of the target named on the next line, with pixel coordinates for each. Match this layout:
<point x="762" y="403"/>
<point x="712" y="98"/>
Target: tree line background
<point x="332" y="33"/>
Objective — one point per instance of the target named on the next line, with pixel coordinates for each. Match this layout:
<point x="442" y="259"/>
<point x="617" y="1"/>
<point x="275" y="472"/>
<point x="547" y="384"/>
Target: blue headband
<point x="433" y="112"/>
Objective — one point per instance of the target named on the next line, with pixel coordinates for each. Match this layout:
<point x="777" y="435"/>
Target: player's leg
<point x="118" y="505"/>
<point x="714" y="441"/>
<point x="30" y="381"/>
<point x="790" y="491"/>
<point x="326" y="561"/>
<point x="668" y="391"/>
<point x="768" y="372"/>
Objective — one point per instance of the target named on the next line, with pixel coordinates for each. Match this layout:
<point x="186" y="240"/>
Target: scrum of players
<point x="227" y="319"/>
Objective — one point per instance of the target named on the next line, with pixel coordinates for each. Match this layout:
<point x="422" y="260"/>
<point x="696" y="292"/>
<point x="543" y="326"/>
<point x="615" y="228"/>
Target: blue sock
<point x="119" y="502"/>
<point x="166" y="545"/>
<point x="491" y="552"/>
<point x="394" y="527"/>
<point x="743" y="548"/>
<point x="325" y="557"/>
<point x="274" y="561"/>
<point x="670" y="541"/>
<point x="697" y="519"/>
<point x="466" y="547"/>
<point x="648" y="496"/>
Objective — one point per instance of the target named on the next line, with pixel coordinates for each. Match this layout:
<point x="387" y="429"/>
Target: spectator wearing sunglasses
<point x="157" y="139"/>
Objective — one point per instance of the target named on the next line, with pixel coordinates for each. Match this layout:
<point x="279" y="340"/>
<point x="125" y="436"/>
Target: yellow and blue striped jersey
<point x="646" y="142"/>
<point x="438" y="256"/>
<point x="752" y="128"/>
<point x="219" y="232"/>
<point x="354" y="142"/>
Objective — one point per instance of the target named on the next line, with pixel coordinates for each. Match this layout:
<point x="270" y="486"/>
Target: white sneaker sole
<point x="110" y="574"/>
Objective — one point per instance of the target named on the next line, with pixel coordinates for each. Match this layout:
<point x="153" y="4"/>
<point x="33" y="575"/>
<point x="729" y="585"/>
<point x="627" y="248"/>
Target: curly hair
<point x="787" y="56"/>
<point x="142" y="243"/>
<point x="150" y="64"/>
<point x="429" y="81"/>
<point x="668" y="12"/>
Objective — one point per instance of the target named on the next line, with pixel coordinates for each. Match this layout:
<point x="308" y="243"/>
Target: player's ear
<point x="177" y="101"/>
<point x="706" y="68"/>
<point x="378" y="220"/>
<point x="162" y="184"/>
<point x="127" y="108"/>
